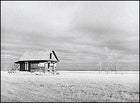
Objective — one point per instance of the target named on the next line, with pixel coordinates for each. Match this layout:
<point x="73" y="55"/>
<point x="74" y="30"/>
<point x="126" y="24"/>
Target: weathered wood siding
<point x="34" y="66"/>
<point x="22" y="66"/>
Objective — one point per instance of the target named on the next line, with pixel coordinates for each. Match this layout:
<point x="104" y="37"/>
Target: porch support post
<point x="45" y="66"/>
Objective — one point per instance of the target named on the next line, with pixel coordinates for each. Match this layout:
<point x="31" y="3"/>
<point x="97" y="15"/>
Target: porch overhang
<point x="36" y="61"/>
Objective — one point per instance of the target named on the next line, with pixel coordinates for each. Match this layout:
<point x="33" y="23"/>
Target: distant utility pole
<point x="115" y="69"/>
<point x="99" y="66"/>
<point x="99" y="69"/>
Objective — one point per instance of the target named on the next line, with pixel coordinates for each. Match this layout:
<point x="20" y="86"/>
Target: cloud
<point x="78" y="31"/>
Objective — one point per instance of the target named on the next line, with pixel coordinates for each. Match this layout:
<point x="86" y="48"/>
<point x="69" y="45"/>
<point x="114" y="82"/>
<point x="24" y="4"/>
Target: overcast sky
<point x="79" y="31"/>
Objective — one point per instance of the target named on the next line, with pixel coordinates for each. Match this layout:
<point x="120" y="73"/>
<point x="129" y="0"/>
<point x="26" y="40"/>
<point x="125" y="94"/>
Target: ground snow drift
<point x="70" y="86"/>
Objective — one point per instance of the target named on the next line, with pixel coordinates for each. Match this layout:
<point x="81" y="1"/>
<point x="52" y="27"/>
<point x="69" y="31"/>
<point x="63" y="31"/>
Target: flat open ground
<point x="70" y="86"/>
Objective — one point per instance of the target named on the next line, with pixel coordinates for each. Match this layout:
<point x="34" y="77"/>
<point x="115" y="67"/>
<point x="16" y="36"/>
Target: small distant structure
<point x="37" y="60"/>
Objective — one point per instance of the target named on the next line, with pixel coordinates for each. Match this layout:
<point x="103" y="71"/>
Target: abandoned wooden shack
<point x="38" y="61"/>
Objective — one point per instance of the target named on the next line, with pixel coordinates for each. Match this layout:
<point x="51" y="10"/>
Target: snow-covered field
<point x="70" y="86"/>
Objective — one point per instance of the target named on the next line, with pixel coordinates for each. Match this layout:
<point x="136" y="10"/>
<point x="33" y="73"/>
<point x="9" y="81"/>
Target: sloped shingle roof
<point x="35" y="55"/>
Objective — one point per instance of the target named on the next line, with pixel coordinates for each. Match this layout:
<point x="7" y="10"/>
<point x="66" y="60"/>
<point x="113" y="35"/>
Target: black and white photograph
<point x="69" y="51"/>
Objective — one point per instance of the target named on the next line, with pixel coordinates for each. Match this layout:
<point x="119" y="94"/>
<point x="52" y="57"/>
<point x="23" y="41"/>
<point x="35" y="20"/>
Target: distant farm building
<point x="38" y="60"/>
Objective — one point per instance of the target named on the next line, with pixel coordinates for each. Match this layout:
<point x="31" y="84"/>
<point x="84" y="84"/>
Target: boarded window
<point x="34" y="65"/>
<point x="41" y="64"/>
